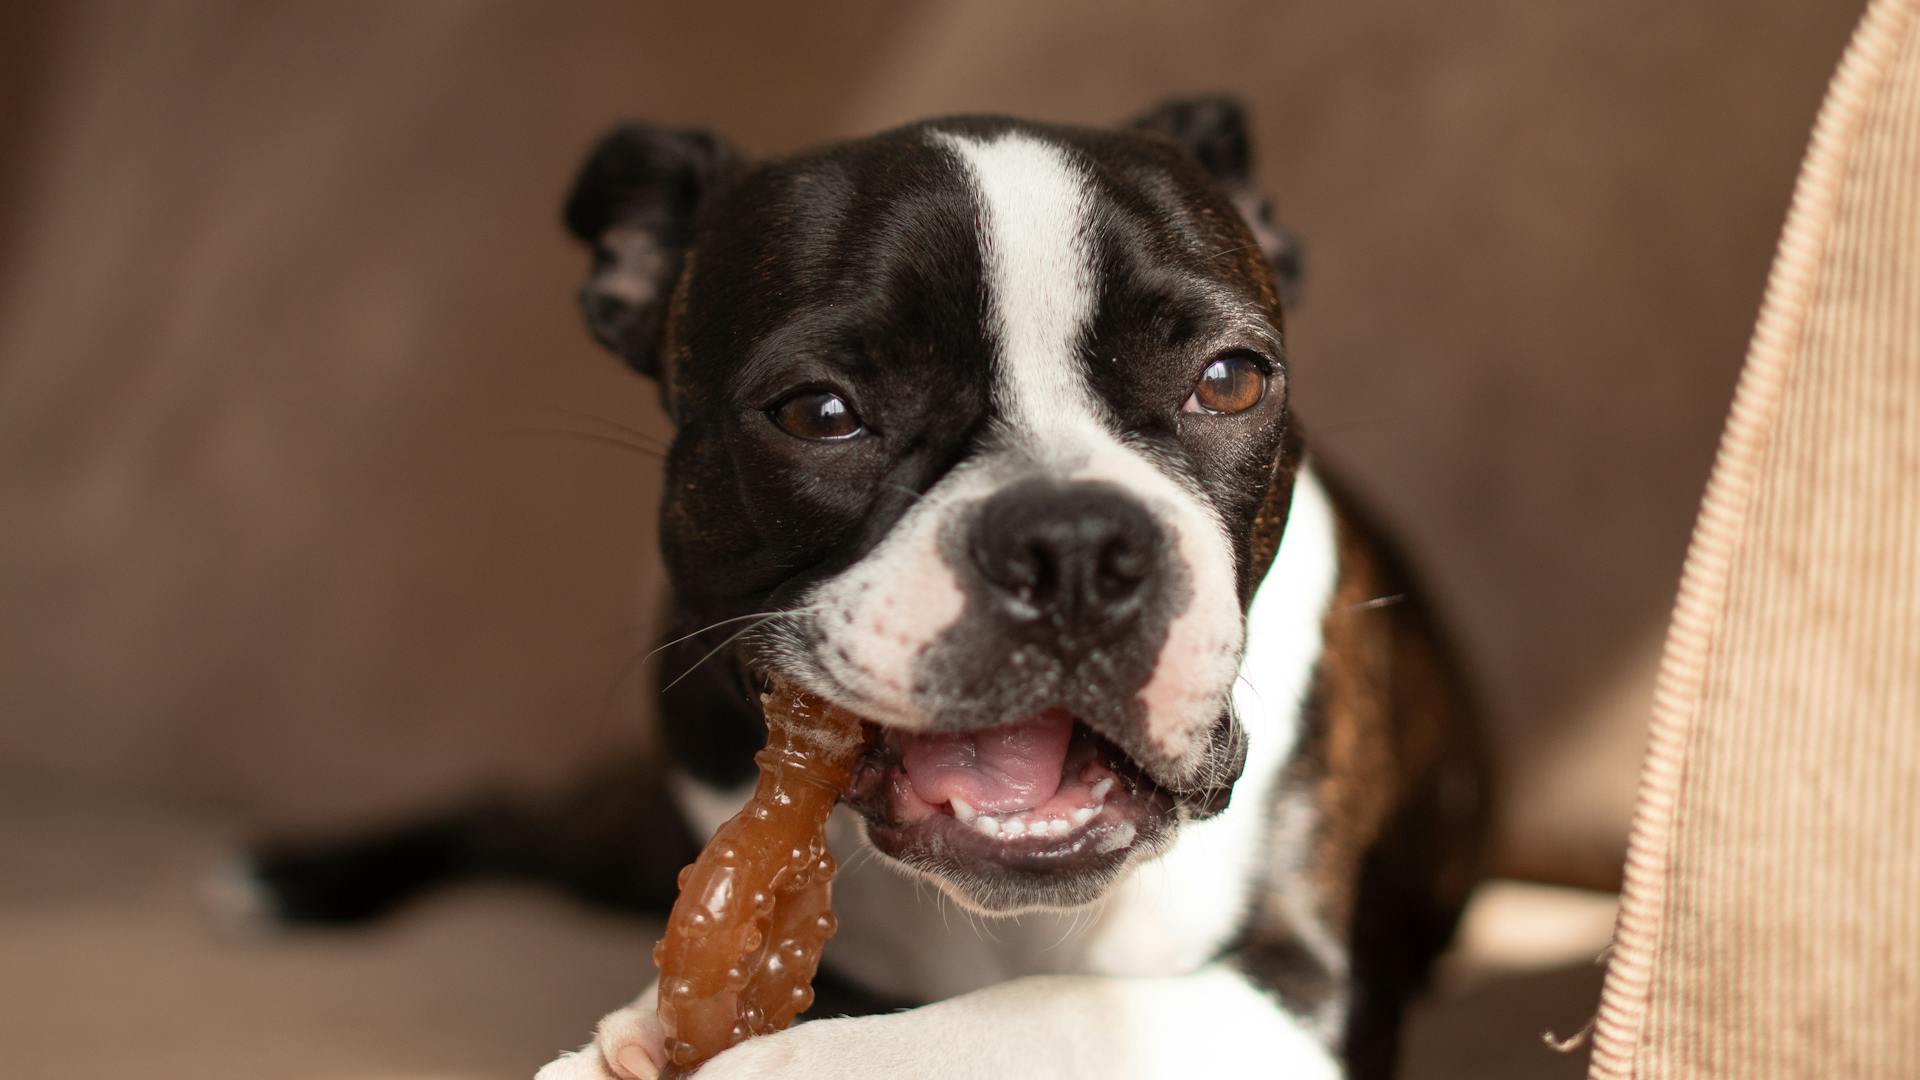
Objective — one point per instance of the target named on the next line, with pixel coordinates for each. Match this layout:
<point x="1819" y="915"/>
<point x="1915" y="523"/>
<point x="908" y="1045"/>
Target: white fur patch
<point x="1036" y="245"/>
<point x="1285" y="637"/>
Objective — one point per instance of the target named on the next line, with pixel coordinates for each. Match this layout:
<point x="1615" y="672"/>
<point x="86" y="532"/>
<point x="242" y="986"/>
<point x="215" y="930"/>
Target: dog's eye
<point x="817" y="414"/>
<point x="1234" y="383"/>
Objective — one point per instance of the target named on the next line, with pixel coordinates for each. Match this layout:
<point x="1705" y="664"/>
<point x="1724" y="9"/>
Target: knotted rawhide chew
<point x="755" y="908"/>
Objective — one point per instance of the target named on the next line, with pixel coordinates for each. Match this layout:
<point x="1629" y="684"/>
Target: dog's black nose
<point x="1075" y="558"/>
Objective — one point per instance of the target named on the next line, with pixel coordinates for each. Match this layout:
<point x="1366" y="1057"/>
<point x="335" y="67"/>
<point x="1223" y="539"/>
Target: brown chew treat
<point x="754" y="909"/>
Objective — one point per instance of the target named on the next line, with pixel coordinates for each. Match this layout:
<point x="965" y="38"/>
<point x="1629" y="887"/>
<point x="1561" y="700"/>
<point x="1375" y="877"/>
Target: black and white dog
<point x="987" y="423"/>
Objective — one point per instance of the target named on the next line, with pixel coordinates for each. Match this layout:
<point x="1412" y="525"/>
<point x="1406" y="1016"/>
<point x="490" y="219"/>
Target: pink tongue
<point x="1004" y="769"/>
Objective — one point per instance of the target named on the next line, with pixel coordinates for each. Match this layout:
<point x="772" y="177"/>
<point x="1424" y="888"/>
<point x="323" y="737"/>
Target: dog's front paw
<point x="849" y="1048"/>
<point x="627" y="1045"/>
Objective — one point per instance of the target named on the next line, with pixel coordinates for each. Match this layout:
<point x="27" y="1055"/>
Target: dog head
<point x="987" y="410"/>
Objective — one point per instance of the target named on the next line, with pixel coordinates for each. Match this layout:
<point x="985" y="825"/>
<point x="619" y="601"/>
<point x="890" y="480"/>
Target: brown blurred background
<point x="283" y="293"/>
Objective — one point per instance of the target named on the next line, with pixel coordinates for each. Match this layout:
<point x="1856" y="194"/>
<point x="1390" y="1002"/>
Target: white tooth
<point x="1015" y="826"/>
<point x="1082" y="815"/>
<point x="1059" y="826"/>
<point x="961" y="810"/>
<point x="988" y="825"/>
<point x="1100" y="789"/>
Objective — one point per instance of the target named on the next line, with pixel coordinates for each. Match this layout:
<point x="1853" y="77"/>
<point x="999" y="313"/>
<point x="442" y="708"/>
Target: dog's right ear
<point x="1213" y="130"/>
<point x="637" y="202"/>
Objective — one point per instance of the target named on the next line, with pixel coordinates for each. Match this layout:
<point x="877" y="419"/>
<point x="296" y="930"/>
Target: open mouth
<point x="1044" y="796"/>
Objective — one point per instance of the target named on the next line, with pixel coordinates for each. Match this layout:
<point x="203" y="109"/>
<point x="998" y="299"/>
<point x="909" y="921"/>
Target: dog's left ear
<point x="1213" y="130"/>
<point x="638" y="202"/>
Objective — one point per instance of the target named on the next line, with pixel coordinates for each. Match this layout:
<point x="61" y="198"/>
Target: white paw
<point x="627" y="1045"/>
<point x="582" y="1064"/>
<point x="779" y="1054"/>
<point x="842" y="1049"/>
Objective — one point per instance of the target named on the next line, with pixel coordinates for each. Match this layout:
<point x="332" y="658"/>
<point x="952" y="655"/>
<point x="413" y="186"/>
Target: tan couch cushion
<point x="1771" y="921"/>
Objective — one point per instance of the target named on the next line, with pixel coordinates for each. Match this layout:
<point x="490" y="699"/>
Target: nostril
<point x="1120" y="576"/>
<point x="1022" y="567"/>
<point x="1033" y="571"/>
<point x="1124" y="561"/>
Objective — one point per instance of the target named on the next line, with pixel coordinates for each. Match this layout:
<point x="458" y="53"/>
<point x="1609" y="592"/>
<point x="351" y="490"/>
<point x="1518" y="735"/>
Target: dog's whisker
<point x="716" y="626"/>
<point x="1073" y="927"/>
<point x="860" y="857"/>
<point x="1379" y="602"/>
<point x="715" y="651"/>
<point x="1252" y="689"/>
<point x="627" y="668"/>
<point x="620" y="680"/>
<point x="589" y="437"/>
<point x="978" y="933"/>
<point x="1363" y="423"/>
<point x="638" y="433"/>
<point x="1094" y="911"/>
<point x="939" y="901"/>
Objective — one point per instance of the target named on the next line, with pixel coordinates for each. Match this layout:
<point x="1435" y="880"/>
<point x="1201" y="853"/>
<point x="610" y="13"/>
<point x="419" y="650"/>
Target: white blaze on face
<point x="1036" y="244"/>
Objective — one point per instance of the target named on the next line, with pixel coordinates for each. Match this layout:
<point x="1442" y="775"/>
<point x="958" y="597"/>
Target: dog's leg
<point x="1210" y="1023"/>
<point x="616" y="840"/>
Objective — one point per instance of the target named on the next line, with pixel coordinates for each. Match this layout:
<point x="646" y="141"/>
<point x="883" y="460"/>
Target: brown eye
<point x="1233" y="383"/>
<point x="817" y="414"/>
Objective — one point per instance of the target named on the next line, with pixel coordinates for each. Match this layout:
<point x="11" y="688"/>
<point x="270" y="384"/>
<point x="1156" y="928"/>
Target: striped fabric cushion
<point x="1771" y="922"/>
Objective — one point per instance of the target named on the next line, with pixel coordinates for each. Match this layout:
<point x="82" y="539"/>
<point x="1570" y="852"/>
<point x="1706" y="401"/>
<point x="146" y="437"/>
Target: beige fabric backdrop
<point x="277" y="279"/>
